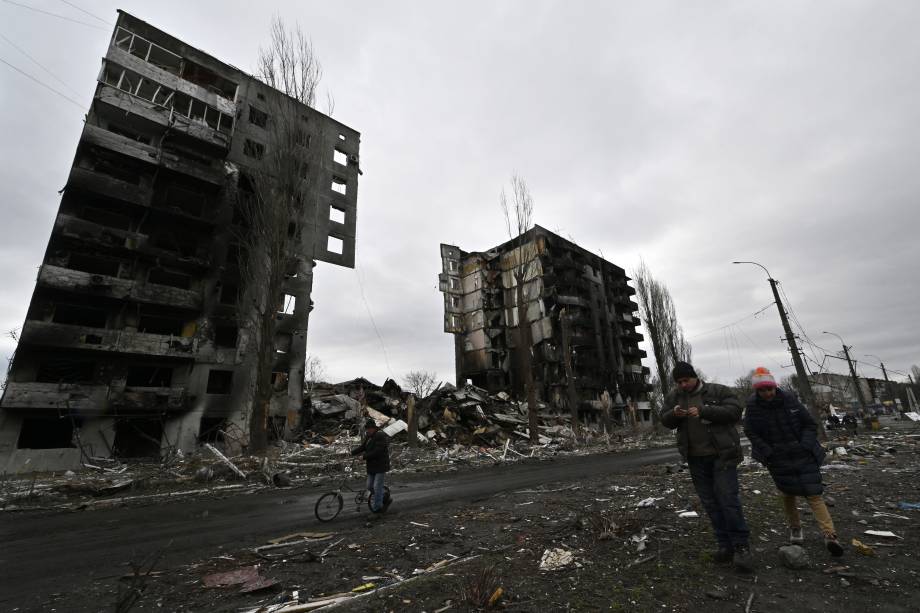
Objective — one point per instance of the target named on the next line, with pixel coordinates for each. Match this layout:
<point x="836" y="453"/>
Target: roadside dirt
<point x="629" y="550"/>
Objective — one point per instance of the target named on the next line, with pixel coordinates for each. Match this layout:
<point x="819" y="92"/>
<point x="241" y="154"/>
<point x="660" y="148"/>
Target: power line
<point x="370" y="315"/>
<point x="82" y="10"/>
<point x="82" y="107"/>
<point x="40" y="65"/>
<point x="720" y="328"/>
<point x="50" y="14"/>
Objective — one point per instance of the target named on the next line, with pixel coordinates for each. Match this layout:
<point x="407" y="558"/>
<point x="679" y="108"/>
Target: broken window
<point x="106" y="218"/>
<point x="220" y="382"/>
<point x="138" y="438"/>
<point x="45" y="433"/>
<point x="454" y="283"/>
<point x="147" y="51"/>
<point x="337" y="215"/>
<point x="253" y="149"/>
<point x="149" y="376"/>
<point x="340" y="157"/>
<point x="93" y="264"/>
<point x="79" y="315"/>
<point x="335" y="245"/>
<point x="208" y="79"/>
<point x="155" y="324"/>
<point x="257" y="117"/>
<point x="229" y="293"/>
<point x="455" y="302"/>
<point x="118" y="167"/>
<point x="204" y="114"/>
<point x="339" y="185"/>
<point x="133" y="83"/>
<point x="65" y="370"/>
<point x="342" y="137"/>
<point x="287" y="303"/>
<point x="452" y="265"/>
<point x="162" y="276"/>
<point x="141" y="138"/>
<point x="226" y="336"/>
<point x="186" y="199"/>
<point x="209" y="431"/>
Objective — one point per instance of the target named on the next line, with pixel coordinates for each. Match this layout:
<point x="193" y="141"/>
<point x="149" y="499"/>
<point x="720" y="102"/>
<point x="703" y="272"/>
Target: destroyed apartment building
<point x="580" y="310"/>
<point x="132" y="342"/>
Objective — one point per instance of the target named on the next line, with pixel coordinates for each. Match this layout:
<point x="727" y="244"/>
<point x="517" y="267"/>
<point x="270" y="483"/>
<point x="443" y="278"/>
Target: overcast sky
<point x="685" y="134"/>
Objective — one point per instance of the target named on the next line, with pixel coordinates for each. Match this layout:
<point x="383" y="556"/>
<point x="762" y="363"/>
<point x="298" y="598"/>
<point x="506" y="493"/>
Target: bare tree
<point x="660" y="316"/>
<point x="915" y="371"/>
<point x="518" y="220"/>
<point x="744" y="385"/>
<point x="273" y="211"/>
<point x="420" y="382"/>
<point x="314" y="372"/>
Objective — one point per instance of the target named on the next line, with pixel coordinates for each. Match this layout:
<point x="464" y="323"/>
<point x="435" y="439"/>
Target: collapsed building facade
<point x="580" y="310"/>
<point x="133" y="342"/>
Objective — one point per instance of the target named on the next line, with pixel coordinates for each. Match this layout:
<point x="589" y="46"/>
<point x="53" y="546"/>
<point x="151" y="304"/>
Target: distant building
<point x="599" y="326"/>
<point x="131" y="344"/>
<point x="839" y="390"/>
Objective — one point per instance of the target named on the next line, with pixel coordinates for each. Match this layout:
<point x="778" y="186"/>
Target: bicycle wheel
<point x="386" y="500"/>
<point x="328" y="506"/>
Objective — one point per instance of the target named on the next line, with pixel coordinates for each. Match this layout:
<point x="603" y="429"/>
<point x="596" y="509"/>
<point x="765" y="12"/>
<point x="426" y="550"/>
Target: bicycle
<point x="330" y="504"/>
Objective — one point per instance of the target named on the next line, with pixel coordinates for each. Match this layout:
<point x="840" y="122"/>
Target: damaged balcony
<point x="57" y="277"/>
<point x="40" y="333"/>
<point x="54" y="396"/>
<point x="146" y="399"/>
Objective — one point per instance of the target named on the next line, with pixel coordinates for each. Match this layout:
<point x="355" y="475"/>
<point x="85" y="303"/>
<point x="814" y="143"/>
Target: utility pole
<point x="802" y="382"/>
<point x="859" y="394"/>
<point x="887" y="382"/>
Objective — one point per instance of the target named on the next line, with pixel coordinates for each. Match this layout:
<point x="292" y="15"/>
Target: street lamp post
<point x="859" y="394"/>
<point x="802" y="382"/>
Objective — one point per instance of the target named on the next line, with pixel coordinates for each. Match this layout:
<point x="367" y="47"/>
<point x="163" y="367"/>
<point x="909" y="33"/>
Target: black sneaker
<point x="724" y="555"/>
<point x="833" y="545"/>
<point x="742" y="559"/>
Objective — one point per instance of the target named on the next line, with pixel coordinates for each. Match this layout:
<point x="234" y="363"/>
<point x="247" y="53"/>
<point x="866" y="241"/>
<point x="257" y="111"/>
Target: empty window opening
<point x="287" y="303"/>
<point x="342" y="137"/>
<point x="185" y="246"/>
<point x="339" y="185"/>
<point x="279" y="380"/>
<point x="452" y="265"/>
<point x="79" y="315"/>
<point x="149" y="376"/>
<point x="253" y="149"/>
<point x="138" y="438"/>
<point x="292" y="229"/>
<point x="153" y="324"/>
<point x="147" y="51"/>
<point x="45" y="433"/>
<point x="220" y="381"/>
<point x="210" y="429"/>
<point x="335" y="245"/>
<point x="130" y="134"/>
<point x="93" y="265"/>
<point x="161" y="276"/>
<point x="336" y="215"/>
<point x="455" y="302"/>
<point x="257" y="117"/>
<point x="201" y="113"/>
<point x="209" y="80"/>
<point x="454" y="283"/>
<point x="226" y="336"/>
<point x="340" y="157"/>
<point x="120" y="169"/>
<point x="186" y="200"/>
<point x="65" y="370"/>
<point x="106" y="218"/>
<point x="229" y="293"/>
<point x="260" y="96"/>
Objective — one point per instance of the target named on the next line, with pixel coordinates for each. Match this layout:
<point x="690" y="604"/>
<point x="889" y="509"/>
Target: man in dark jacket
<point x="375" y="449"/>
<point x="706" y="417"/>
<point x="784" y="438"/>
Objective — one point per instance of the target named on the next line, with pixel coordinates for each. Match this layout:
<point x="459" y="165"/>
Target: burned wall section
<point x="579" y="306"/>
<point x="132" y="340"/>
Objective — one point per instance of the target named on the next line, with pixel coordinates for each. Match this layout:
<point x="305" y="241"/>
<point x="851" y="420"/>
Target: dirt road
<point x="45" y="553"/>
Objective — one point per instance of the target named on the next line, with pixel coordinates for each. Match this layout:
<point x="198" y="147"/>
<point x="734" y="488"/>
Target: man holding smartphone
<point x="706" y="417"/>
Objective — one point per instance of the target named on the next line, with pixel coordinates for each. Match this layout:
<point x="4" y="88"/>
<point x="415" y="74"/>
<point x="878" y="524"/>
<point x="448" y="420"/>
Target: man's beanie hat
<point x="370" y="423"/>
<point x="683" y="370"/>
<point x="762" y="378"/>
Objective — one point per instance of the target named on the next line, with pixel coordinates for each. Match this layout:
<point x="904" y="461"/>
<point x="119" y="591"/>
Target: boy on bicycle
<point x="375" y="449"/>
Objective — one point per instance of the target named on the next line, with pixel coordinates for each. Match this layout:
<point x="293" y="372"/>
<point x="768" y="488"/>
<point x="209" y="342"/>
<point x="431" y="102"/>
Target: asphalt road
<point x="51" y="553"/>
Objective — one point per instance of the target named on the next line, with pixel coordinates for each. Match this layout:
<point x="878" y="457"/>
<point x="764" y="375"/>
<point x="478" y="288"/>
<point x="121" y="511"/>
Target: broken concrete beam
<point x="224" y="459"/>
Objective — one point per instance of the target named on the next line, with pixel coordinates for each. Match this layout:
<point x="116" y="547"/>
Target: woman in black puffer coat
<point x="784" y="438"/>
